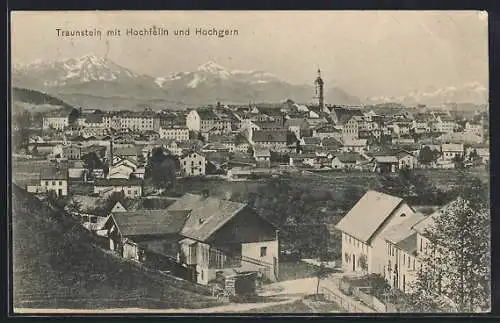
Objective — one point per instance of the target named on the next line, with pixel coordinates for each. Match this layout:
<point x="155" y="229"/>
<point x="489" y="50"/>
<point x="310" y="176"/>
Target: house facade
<point x="224" y="236"/>
<point x="175" y="133"/>
<point x="363" y="231"/>
<point x="54" y="179"/>
<point x="192" y="164"/>
<point x="130" y="187"/>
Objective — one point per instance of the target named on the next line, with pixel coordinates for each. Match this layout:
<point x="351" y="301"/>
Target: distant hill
<point x="37" y="98"/>
<point x="55" y="266"/>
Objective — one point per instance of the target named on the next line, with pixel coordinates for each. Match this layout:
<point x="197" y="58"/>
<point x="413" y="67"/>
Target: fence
<point x="344" y="302"/>
<point x="162" y="262"/>
<point x="370" y="300"/>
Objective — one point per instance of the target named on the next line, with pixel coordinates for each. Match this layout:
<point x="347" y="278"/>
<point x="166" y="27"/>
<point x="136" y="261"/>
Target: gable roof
<point x="312" y="140"/>
<point x="363" y="220"/>
<point x="402" y="235"/>
<point x="269" y="136"/>
<point x="52" y="173"/>
<point x="344" y="114"/>
<point x="125" y="151"/>
<point x="118" y="182"/>
<point x="350" y="157"/>
<point x="296" y="122"/>
<point x="386" y="159"/>
<point x="150" y="222"/>
<point x="207" y="215"/>
<point x="207" y="114"/>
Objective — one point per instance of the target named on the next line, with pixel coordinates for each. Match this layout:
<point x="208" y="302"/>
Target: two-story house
<point x="451" y="151"/>
<point x="192" y="163"/>
<point x="402" y="264"/>
<point x="275" y="140"/>
<point x="179" y="133"/>
<point x="130" y="187"/>
<point x="54" y="179"/>
<point x="223" y="236"/>
<point x="364" y="228"/>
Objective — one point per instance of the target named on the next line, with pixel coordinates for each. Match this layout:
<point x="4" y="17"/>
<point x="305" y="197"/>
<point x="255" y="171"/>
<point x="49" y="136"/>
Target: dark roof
<point x="269" y="136"/>
<point x="350" y="157"/>
<point x="268" y="125"/>
<point x="271" y="111"/>
<point x="125" y="151"/>
<point x="150" y="222"/>
<point x="297" y="122"/>
<point x="345" y="114"/>
<point x="118" y="182"/>
<point x="58" y="113"/>
<point x="54" y="173"/>
<point x="330" y="141"/>
<point x="207" y="215"/>
<point x="94" y="118"/>
<point x="207" y="114"/>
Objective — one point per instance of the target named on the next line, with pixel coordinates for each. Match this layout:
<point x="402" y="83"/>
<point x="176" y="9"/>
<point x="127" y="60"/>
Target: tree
<point x="161" y="168"/>
<point x="457" y="261"/>
<point x="363" y="263"/>
<point x="351" y="196"/>
<point x="459" y="161"/>
<point x="427" y="156"/>
<point x="322" y="272"/>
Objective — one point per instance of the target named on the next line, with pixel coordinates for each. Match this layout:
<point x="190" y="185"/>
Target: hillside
<point x="55" y="266"/>
<point x="36" y="98"/>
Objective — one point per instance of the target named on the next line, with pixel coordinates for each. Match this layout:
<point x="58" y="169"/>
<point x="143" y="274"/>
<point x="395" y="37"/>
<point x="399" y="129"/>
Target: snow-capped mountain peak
<point x="473" y="92"/>
<point x="210" y="67"/>
<point x="82" y="69"/>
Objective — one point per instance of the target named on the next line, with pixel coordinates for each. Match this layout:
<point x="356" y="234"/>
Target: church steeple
<point x="318" y="91"/>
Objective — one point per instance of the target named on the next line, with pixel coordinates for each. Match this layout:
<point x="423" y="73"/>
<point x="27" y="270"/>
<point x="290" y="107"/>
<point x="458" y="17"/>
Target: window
<point x="263" y="251"/>
<point x="420" y="245"/>
<point x="53" y="182"/>
<point x="93" y="219"/>
<point x="402" y="215"/>
<point x="60" y="183"/>
<point x="404" y="259"/>
<point x="46" y="183"/>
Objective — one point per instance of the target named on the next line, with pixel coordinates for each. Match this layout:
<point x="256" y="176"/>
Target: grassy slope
<point x="55" y="266"/>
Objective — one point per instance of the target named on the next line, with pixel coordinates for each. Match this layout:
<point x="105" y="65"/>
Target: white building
<point x="130" y="187"/>
<point x="401" y="251"/>
<point x="54" y="179"/>
<point x="450" y="151"/>
<point x="364" y="228"/>
<point x="192" y="164"/>
<point x="57" y="120"/>
<point x="175" y="133"/>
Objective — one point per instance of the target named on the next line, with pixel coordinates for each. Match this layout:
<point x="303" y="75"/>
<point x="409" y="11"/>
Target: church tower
<point x="318" y="91"/>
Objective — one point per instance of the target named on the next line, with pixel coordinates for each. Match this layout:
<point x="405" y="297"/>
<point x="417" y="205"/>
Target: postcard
<point x="225" y="162"/>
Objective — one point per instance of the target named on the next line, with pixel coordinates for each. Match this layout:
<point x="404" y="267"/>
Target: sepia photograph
<point x="250" y="162"/>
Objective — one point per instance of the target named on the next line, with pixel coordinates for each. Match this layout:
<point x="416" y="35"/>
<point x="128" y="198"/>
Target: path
<point x="286" y="292"/>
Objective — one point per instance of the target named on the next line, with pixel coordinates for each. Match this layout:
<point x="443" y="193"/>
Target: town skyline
<point x="403" y="60"/>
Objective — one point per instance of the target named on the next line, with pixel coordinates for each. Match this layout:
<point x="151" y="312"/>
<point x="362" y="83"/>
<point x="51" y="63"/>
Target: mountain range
<point x="92" y="79"/>
<point x="473" y="92"/>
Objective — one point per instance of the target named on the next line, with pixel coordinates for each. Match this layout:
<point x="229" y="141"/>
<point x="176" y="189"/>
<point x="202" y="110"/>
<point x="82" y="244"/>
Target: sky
<point x="367" y="53"/>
